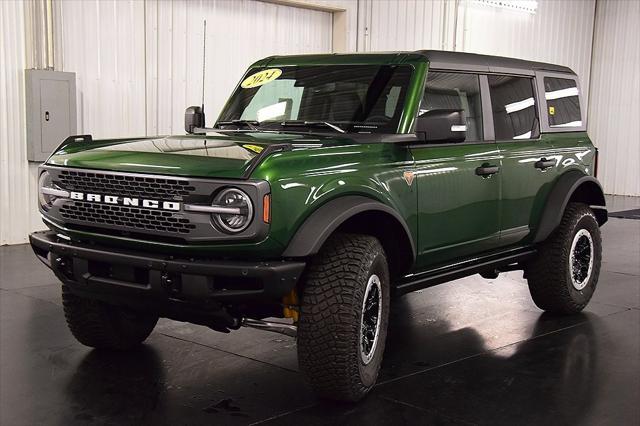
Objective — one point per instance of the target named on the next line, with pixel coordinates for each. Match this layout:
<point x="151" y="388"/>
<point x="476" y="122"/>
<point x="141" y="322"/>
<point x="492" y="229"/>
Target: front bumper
<point x="171" y="286"/>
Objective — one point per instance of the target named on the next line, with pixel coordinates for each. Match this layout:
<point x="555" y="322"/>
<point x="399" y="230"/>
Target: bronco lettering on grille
<point x="125" y="201"/>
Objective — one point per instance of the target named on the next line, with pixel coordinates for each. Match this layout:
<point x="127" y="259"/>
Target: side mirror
<point x="193" y="118"/>
<point x="442" y="125"/>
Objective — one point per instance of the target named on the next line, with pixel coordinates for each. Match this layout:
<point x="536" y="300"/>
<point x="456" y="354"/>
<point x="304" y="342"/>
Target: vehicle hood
<point x="224" y="155"/>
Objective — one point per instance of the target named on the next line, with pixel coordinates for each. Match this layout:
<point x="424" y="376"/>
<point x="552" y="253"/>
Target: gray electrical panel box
<point x="51" y="111"/>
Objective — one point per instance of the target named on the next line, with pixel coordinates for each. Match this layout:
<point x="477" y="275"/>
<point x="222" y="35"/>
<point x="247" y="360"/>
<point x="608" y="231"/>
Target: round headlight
<point x="240" y="210"/>
<point x="44" y="181"/>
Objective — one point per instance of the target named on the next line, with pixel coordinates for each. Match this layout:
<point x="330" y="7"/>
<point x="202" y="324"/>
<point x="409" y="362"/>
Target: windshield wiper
<point x="251" y="124"/>
<point x="311" y="124"/>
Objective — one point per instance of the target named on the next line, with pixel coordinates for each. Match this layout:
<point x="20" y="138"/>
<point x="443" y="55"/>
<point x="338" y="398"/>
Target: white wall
<point x="351" y="8"/>
<point x="103" y="42"/>
<point x="18" y="209"/>
<point x="139" y="64"/>
<point x="388" y="25"/>
<point x="238" y="33"/>
<point x="614" y="110"/>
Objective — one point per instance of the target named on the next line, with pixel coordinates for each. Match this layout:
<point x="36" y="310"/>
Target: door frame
<point x="487" y="132"/>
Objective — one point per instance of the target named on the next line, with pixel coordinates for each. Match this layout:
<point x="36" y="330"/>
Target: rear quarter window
<point x="563" y="102"/>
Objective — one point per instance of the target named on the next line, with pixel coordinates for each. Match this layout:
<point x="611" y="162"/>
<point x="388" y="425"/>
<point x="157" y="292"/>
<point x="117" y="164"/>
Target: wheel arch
<point x="573" y="186"/>
<point x="356" y="214"/>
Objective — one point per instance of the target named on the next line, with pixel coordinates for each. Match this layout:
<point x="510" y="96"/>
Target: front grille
<point x="125" y="185"/>
<point x="96" y="215"/>
<point x="126" y="217"/>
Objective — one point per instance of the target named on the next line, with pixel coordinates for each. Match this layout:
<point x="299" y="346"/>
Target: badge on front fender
<point x="408" y="177"/>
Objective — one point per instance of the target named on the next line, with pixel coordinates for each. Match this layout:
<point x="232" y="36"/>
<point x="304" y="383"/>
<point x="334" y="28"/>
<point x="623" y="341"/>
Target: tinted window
<point x="445" y="90"/>
<point x="563" y="104"/>
<point x="356" y="98"/>
<point x="514" y="107"/>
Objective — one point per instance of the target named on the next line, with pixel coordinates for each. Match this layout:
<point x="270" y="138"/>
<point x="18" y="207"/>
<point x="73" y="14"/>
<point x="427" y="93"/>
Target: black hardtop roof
<point x="476" y="62"/>
<point x="438" y="59"/>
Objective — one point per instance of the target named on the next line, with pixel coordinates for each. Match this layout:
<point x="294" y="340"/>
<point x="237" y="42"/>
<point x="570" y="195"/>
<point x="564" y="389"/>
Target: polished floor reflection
<point x="468" y="352"/>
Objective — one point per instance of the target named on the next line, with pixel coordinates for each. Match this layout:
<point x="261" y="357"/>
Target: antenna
<point x="204" y="62"/>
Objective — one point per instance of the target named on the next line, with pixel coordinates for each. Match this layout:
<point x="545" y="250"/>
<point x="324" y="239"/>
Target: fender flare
<point x="565" y="187"/>
<point x="317" y="228"/>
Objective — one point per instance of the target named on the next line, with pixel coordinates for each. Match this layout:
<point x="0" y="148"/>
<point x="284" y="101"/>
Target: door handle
<point x="543" y="164"/>
<point x="487" y="170"/>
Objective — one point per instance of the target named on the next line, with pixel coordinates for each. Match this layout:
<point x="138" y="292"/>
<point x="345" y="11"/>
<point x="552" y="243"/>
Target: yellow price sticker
<point x="254" y="148"/>
<point x="552" y="110"/>
<point x="260" y="78"/>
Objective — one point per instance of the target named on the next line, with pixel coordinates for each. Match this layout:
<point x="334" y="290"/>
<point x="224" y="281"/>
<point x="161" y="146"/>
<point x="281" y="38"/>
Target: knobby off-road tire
<point x="103" y="326"/>
<point x="347" y="274"/>
<point x="564" y="274"/>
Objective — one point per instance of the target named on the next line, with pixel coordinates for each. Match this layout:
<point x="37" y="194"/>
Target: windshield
<point x="327" y="98"/>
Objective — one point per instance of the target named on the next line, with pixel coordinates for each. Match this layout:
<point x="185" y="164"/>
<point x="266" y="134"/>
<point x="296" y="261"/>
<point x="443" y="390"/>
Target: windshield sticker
<point x="255" y="148"/>
<point x="260" y="78"/>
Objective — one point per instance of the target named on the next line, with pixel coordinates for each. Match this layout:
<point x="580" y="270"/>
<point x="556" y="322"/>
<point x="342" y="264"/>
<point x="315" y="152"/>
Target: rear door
<point x="529" y="162"/>
<point x="458" y="206"/>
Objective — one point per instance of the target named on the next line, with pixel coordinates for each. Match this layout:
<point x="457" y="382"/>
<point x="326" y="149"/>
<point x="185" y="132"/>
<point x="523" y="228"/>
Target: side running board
<point x="501" y="261"/>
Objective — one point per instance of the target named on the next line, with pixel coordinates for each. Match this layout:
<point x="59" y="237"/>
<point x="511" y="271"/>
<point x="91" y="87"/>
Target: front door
<point x="458" y="183"/>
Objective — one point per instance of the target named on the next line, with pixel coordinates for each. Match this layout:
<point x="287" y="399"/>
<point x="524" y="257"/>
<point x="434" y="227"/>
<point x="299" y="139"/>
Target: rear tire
<point x="564" y="275"/>
<point x="102" y="326"/>
<point x="343" y="317"/>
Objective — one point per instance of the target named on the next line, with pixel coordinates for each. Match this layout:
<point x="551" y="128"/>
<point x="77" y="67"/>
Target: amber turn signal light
<point x="266" y="208"/>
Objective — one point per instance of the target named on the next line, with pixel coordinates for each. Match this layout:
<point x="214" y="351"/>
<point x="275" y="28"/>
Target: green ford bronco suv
<point x="328" y="185"/>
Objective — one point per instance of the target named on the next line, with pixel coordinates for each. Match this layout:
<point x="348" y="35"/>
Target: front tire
<point x="102" y="326"/>
<point x="564" y="275"/>
<point x="343" y="317"/>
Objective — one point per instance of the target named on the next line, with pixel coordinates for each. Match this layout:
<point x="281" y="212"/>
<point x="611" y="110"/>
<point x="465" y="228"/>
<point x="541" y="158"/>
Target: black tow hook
<point x="171" y="283"/>
<point x="64" y="265"/>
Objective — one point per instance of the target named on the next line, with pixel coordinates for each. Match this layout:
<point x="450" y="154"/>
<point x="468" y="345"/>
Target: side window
<point x="446" y="90"/>
<point x="563" y="104"/>
<point x="514" y="107"/>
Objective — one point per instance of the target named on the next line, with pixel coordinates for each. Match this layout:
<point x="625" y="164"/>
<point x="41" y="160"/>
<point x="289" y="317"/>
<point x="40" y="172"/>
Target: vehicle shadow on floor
<point x="548" y="376"/>
<point x="430" y="374"/>
<point x="115" y="386"/>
